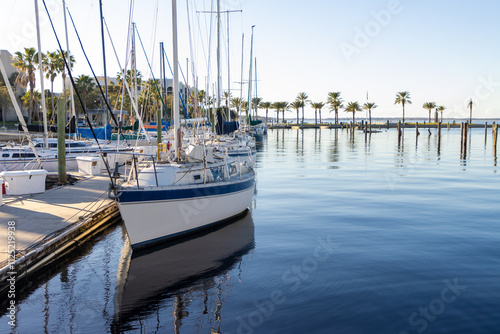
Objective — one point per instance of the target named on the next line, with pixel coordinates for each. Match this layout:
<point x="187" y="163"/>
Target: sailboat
<point x="200" y="188"/>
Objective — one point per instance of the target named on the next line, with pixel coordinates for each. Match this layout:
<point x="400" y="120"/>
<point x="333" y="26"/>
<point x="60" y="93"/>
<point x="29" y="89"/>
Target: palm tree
<point x="317" y="106"/>
<point x="84" y="84"/>
<point x="353" y="107"/>
<point x="403" y="98"/>
<point x="320" y="106"/>
<point x="27" y="63"/>
<point x="236" y="103"/>
<point x="369" y="106"/>
<point x="296" y="105"/>
<point x="282" y="106"/>
<point x="266" y="105"/>
<point x="441" y="109"/>
<point x="276" y="106"/>
<point x="201" y="96"/>
<point x="256" y="104"/>
<point x="313" y="104"/>
<point x="227" y="97"/>
<point x="62" y="69"/>
<point x="429" y="106"/>
<point x="469" y="105"/>
<point x="335" y="102"/>
<point x="29" y="98"/>
<point x="51" y="67"/>
<point x="302" y="97"/>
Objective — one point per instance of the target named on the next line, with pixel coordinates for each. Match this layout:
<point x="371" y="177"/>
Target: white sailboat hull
<point x="161" y="213"/>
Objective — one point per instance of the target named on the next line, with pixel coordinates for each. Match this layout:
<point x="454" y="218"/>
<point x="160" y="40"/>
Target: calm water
<point x="346" y="235"/>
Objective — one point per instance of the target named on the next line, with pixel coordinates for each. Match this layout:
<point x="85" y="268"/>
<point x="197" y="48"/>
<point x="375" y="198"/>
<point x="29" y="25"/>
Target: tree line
<point x="336" y="104"/>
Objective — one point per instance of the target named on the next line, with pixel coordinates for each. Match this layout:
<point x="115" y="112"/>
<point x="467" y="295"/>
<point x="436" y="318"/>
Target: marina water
<point x="348" y="233"/>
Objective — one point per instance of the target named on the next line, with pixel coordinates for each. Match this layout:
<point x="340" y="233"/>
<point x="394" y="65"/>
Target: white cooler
<point x="24" y="182"/>
<point x="90" y="165"/>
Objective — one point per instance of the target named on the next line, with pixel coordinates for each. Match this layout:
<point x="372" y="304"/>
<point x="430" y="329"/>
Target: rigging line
<point x="171" y="72"/>
<point x="71" y="75"/>
<point x="152" y="74"/>
<point x="124" y="84"/>
<point x="95" y="77"/>
<point x="77" y="93"/>
<point x="155" y="25"/>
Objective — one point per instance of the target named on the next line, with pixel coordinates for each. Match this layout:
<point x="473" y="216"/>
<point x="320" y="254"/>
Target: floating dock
<point x="42" y="227"/>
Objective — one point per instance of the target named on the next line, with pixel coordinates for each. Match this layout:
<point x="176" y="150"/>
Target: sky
<point x="443" y="51"/>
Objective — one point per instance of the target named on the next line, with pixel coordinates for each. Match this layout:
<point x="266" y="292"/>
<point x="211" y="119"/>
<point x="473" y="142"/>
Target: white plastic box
<point x="24" y="182"/>
<point x="90" y="165"/>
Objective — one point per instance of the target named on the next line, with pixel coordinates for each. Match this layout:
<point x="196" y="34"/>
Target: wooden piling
<point x="464" y="129"/>
<point x="461" y="140"/>
<point x="485" y="132"/>
<point x="439" y="137"/>
<point x="61" y="146"/>
<point x="399" y="133"/>
<point x="494" y="129"/>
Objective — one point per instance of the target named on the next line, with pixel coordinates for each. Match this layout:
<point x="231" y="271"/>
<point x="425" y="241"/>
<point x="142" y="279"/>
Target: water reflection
<point x="334" y="151"/>
<point x="189" y="277"/>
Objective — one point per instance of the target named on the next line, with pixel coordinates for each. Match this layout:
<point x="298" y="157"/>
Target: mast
<point x="104" y="64"/>
<point x="228" y="74"/>
<point x="241" y="74"/>
<point x="40" y="67"/>
<point x="218" y="54"/>
<point x="249" y="107"/>
<point x="175" y="82"/>
<point x="163" y="93"/>
<point x="71" y="94"/>
<point x="256" y="95"/>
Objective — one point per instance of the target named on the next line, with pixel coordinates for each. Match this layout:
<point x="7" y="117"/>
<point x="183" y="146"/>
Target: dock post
<point x="464" y="140"/>
<point x="485" y="132"/>
<point x="61" y="145"/>
<point x="439" y="137"/>
<point x="494" y="130"/>
<point x="461" y="140"/>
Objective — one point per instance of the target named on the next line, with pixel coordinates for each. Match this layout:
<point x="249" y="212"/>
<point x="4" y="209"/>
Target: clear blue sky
<point x="446" y="51"/>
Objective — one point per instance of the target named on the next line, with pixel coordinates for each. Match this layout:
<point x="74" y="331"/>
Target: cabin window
<point x="23" y="155"/>
<point x="5" y="155"/>
<point x="197" y="177"/>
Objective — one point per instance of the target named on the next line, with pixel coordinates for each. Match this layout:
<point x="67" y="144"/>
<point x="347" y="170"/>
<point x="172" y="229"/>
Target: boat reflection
<point x="163" y="281"/>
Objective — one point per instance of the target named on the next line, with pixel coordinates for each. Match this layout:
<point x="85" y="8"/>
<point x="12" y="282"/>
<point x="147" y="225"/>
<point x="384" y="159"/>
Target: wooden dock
<point x="49" y="224"/>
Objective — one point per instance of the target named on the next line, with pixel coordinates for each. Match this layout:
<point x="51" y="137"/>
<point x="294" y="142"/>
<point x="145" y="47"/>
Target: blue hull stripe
<point x="145" y="195"/>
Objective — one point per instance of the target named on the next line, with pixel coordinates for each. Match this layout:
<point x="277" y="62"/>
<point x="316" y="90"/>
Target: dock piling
<point x="485" y="132"/>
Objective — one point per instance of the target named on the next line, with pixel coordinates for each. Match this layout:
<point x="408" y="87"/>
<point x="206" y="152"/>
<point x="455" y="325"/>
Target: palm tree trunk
<point x="315" y="116"/>
<point x="277" y="116"/>
<point x="429" y="115"/>
<point x="403" y="113"/>
<point x="302" y="115"/>
<point x="320" y="116"/>
<point x="370" y="114"/>
<point x="297" y="116"/>
<point x="52" y="98"/>
<point x="267" y="110"/>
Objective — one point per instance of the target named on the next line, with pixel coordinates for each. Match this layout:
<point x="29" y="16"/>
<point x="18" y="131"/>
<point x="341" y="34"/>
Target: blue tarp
<point x="99" y="132"/>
